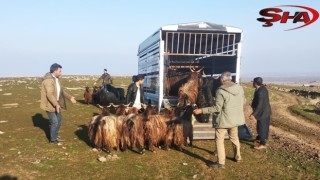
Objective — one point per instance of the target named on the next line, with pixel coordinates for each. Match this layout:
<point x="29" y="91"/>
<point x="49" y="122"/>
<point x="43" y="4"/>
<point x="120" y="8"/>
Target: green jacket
<point x="229" y="106"/>
<point x="48" y="100"/>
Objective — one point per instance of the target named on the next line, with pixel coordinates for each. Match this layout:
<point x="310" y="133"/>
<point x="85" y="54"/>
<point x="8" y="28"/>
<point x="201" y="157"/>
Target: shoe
<point x="260" y="147"/>
<point x="60" y="140"/>
<point x="216" y="165"/>
<point x="56" y="142"/>
<point x="256" y="141"/>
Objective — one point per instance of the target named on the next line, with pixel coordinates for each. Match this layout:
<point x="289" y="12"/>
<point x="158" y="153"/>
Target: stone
<point x="102" y="159"/>
<point x="195" y="176"/>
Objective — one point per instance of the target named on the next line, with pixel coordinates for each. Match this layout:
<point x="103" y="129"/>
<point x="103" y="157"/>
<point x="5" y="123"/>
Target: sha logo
<point x="305" y="15"/>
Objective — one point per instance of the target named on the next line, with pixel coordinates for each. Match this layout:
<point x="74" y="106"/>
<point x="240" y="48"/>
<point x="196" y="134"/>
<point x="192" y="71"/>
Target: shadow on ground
<point x="8" y="177"/>
<point x="312" y="111"/>
<point x="82" y="134"/>
<point x="42" y="123"/>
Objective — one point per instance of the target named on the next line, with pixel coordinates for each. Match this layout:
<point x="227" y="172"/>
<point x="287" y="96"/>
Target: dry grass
<point x="26" y="154"/>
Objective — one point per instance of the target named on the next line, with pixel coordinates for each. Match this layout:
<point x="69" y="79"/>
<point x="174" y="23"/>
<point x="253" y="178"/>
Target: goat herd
<point x="131" y="128"/>
<point x="121" y="127"/>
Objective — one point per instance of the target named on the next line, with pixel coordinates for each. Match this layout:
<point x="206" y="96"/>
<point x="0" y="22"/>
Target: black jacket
<point x="132" y="93"/>
<point x="260" y="103"/>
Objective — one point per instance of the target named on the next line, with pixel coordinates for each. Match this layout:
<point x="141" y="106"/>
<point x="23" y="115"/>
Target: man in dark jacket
<point x="261" y="112"/>
<point x="135" y="94"/>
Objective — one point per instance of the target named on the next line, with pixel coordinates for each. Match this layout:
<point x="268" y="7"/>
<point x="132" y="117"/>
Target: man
<point x="229" y="106"/>
<point x="261" y="112"/>
<point x="135" y="94"/>
<point x="53" y="100"/>
<point x="106" y="79"/>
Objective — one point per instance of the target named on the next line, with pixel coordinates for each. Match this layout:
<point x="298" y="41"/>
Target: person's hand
<point x="197" y="111"/>
<point x="73" y="100"/>
<point x="58" y="108"/>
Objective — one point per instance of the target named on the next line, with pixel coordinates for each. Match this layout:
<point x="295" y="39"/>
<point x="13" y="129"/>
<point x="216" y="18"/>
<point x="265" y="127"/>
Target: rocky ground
<point x="291" y="133"/>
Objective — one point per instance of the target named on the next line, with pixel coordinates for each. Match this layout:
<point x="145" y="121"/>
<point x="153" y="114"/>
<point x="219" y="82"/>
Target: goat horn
<point x="127" y="105"/>
<point x="191" y="69"/>
<point x="200" y="70"/>
<point x="101" y="107"/>
<point x="203" y="73"/>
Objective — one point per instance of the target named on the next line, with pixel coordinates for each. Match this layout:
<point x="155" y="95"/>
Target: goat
<point x="180" y="129"/>
<point x="155" y="127"/>
<point x="205" y="97"/>
<point x="87" y="96"/>
<point x="189" y="90"/>
<point x="95" y="131"/>
<point x="95" y="95"/>
<point x="112" y="130"/>
<point x="133" y="132"/>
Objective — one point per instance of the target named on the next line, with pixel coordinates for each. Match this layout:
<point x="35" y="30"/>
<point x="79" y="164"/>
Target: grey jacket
<point x="229" y="106"/>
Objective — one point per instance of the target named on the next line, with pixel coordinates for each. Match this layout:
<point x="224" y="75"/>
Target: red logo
<point x="276" y="14"/>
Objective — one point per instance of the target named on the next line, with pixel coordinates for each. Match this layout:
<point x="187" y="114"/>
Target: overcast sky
<point x="85" y="36"/>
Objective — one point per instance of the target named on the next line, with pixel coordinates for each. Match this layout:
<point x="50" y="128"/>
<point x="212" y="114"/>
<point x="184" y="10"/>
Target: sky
<point x="86" y="36"/>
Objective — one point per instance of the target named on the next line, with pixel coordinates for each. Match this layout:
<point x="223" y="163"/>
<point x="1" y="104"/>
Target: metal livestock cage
<point x="178" y="48"/>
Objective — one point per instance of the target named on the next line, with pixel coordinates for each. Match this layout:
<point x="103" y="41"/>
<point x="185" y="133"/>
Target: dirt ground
<point x="291" y="133"/>
<point x="25" y="153"/>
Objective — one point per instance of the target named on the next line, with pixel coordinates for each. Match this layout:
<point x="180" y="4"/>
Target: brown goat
<point x="189" y="90"/>
<point x="133" y="132"/>
<point x="155" y="130"/>
<point x="95" y="128"/>
<point x="87" y="96"/>
<point x="156" y="127"/>
<point x="180" y="129"/>
<point x="112" y="134"/>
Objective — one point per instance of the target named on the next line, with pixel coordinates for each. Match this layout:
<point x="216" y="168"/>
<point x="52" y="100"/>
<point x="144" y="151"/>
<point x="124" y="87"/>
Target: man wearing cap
<point x="135" y="94"/>
<point x="229" y="106"/>
<point x="53" y="99"/>
<point x="261" y="112"/>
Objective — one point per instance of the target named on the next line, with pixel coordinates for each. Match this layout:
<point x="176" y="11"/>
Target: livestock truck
<point x="179" y="48"/>
<point x="176" y="49"/>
